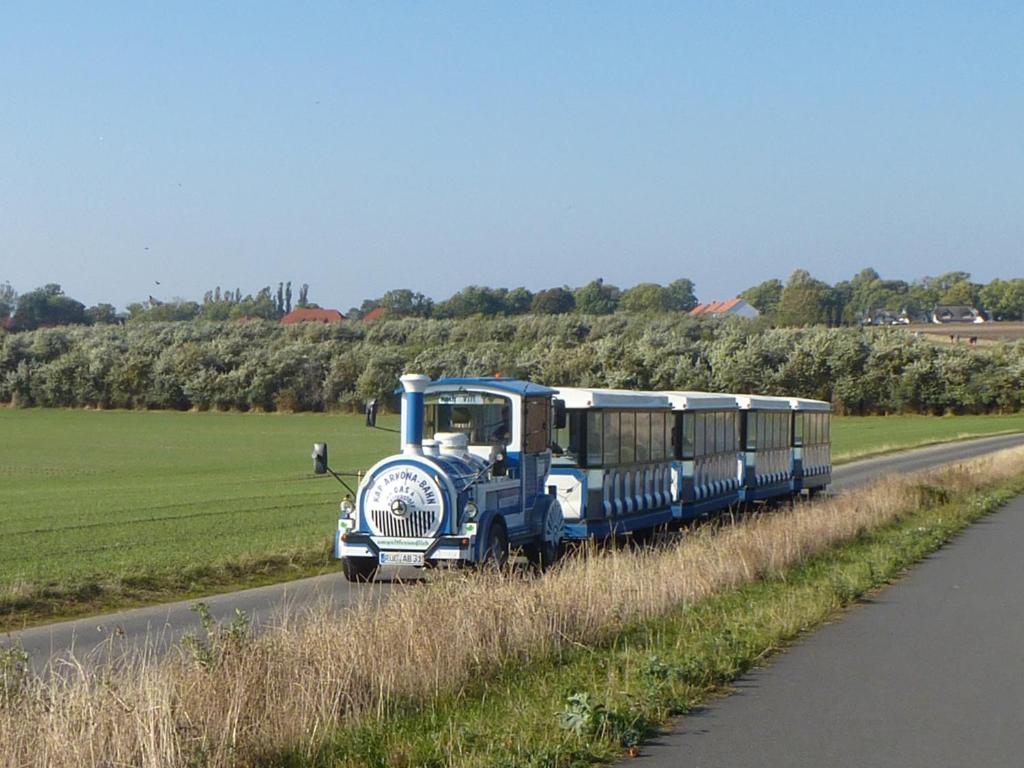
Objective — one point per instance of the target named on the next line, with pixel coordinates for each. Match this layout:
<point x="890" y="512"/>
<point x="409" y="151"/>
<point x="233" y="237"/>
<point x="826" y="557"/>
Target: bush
<point x="265" y="366"/>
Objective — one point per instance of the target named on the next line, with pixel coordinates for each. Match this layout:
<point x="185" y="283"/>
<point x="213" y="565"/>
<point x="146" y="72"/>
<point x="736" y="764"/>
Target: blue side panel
<point x="694" y="509"/>
<point x="602" y="529"/>
<point x="762" y="492"/>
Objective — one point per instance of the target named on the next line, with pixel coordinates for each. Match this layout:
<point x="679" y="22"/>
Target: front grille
<point x="417" y="523"/>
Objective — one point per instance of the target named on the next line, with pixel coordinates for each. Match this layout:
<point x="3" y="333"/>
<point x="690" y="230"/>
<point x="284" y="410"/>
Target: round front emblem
<point x="399" y="508"/>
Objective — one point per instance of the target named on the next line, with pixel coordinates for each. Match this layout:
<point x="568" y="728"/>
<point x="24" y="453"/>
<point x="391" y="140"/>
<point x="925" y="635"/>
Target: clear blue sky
<point x="366" y="146"/>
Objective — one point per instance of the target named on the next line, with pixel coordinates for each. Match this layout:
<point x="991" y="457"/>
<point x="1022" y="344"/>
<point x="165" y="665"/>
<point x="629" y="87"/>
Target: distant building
<point x="312" y="316"/>
<point x="956" y="314"/>
<point x="731" y="308"/>
<point x="883" y="317"/>
<point x="374" y="314"/>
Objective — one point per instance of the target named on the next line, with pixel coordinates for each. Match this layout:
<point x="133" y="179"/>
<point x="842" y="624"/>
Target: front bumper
<point x="354" y="544"/>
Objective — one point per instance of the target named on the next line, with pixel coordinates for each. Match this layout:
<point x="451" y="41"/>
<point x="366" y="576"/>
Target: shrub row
<point x="265" y="366"/>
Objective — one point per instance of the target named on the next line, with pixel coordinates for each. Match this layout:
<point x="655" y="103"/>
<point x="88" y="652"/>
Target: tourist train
<point x="491" y="466"/>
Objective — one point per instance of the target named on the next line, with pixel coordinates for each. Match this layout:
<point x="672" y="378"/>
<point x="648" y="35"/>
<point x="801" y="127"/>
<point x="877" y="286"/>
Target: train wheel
<point x="496" y="552"/>
<point x="359" y="569"/>
<point x="548" y="547"/>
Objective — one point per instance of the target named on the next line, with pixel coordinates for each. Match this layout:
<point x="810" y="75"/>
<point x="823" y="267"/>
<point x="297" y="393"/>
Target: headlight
<point x="471" y="510"/>
<point x="347" y="508"/>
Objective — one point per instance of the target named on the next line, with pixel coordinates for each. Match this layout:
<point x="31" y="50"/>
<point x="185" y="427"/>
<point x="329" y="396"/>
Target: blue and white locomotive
<point x="473" y="489"/>
<point x="476" y="478"/>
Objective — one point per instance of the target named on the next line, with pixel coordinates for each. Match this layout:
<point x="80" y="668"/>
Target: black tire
<point x="359" y="569"/>
<point x="546" y="549"/>
<point x="543" y="554"/>
<point x="496" y="551"/>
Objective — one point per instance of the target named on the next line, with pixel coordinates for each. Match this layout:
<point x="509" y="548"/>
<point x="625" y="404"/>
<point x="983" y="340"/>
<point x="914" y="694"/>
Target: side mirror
<point x="371" y="413"/>
<point x="319" y="458"/>
<point x="560" y="414"/>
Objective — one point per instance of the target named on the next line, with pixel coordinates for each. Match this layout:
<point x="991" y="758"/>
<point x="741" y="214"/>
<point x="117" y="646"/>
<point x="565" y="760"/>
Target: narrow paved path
<point x="159" y="625"/>
<point x="928" y="673"/>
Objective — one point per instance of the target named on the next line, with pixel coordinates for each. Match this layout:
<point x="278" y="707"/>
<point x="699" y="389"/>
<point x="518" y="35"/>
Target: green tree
<point x="945" y="281"/>
<point x="153" y="311"/>
<point x="681" y="296"/>
<point x="646" y="297"/>
<point x="764" y="297"/>
<point x="47" y="306"/>
<point x="473" y="300"/>
<point x="553" y="301"/>
<point x="8" y="300"/>
<point x="962" y="293"/>
<point x="518" y="301"/>
<point x="597" y="298"/>
<point x="101" y="314"/>
<point x="1004" y="299"/>
<point x="803" y="301"/>
<point x="402" y="302"/>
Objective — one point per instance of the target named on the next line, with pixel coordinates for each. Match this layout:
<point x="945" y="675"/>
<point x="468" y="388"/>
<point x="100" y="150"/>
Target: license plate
<point x="401" y="558"/>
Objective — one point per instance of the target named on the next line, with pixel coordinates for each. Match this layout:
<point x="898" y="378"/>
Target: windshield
<point x="483" y="419"/>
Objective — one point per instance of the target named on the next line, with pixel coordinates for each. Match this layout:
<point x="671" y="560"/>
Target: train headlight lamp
<point x="471" y="510"/>
<point x="347" y="507"/>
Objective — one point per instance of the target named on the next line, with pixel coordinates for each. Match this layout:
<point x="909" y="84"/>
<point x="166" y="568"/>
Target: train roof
<point x="762" y="403"/>
<point x="700" y="401"/>
<point x="579" y="397"/>
<point x="511" y="386"/>
<point x="806" y="404"/>
<point x="801" y="403"/>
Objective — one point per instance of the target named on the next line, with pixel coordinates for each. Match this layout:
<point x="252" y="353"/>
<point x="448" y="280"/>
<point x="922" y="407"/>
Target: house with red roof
<point x="307" y="315"/>
<point x="730" y="308"/>
<point x="374" y="314"/>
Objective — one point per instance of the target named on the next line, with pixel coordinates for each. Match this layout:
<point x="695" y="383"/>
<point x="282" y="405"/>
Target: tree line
<point x="267" y="367"/>
<point x="801" y="301"/>
<point x="49" y="306"/>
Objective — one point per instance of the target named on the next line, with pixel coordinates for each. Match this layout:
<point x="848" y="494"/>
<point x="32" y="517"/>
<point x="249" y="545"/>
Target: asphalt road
<point x="928" y="674"/>
<point x="159" y="625"/>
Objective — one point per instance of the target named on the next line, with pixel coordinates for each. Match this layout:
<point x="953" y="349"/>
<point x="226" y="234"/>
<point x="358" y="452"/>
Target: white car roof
<point x="762" y="403"/>
<point x="800" y="403"/>
<point x="700" y="401"/>
<point x="580" y="397"/>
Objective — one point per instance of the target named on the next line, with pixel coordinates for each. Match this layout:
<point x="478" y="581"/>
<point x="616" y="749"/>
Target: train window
<point x="798" y="428"/>
<point x="570" y="440"/>
<point x="537" y="435"/>
<point x="643" y="437"/>
<point x="484" y="419"/>
<point x="700" y="441"/>
<point x="611" y="438"/>
<point x="595" y="438"/>
<point x="657" y="437"/>
<point x="751" y="418"/>
<point x="627" y="437"/>
<point x="719" y="432"/>
<point x="688" y="437"/>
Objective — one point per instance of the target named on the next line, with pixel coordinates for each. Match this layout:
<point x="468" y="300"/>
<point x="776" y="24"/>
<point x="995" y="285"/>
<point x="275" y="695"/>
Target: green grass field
<point x="100" y="508"/>
<point x="856" y="436"/>
<point x="99" y="504"/>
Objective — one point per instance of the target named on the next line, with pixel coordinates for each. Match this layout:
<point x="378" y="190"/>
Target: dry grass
<point x="255" y="697"/>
